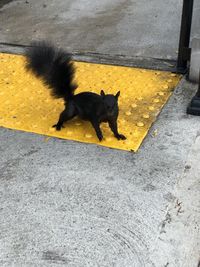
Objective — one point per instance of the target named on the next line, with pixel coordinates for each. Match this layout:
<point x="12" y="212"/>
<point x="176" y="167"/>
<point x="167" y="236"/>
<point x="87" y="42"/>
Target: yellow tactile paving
<point x="25" y="104"/>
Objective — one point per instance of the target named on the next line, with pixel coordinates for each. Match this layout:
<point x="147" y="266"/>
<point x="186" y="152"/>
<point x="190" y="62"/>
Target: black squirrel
<point x="55" y="67"/>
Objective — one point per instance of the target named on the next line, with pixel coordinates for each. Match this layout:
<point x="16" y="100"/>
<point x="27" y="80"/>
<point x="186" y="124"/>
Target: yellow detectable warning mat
<point x="25" y="103"/>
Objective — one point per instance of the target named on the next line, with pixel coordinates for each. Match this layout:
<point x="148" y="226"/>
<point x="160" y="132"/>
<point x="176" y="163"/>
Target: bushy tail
<point x="54" y="67"/>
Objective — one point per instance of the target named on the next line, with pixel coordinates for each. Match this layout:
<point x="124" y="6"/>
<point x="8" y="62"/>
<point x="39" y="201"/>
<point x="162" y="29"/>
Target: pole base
<point x="194" y="106"/>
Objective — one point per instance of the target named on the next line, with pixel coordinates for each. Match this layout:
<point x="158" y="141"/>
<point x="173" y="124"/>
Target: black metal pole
<point x="184" y="50"/>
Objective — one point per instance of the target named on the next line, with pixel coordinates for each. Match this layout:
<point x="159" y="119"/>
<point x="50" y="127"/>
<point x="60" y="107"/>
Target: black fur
<point x="55" y="68"/>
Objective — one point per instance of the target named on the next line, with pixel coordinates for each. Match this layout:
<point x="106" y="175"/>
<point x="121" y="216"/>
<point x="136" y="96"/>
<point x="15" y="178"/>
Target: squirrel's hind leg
<point x="68" y="113"/>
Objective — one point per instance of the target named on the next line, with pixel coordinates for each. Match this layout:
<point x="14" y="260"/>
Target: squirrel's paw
<point x="57" y="126"/>
<point x="121" y="137"/>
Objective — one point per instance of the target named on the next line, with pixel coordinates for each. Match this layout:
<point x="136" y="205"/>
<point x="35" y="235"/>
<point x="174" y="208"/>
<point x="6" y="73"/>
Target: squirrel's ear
<point x="117" y="94"/>
<point x="102" y="93"/>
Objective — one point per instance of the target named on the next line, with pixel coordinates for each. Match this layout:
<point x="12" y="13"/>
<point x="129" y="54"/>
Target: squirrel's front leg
<point x="97" y="128"/>
<point x="113" y="127"/>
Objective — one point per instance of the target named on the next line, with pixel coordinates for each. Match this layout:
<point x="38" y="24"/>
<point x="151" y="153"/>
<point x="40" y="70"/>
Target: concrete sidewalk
<point x="148" y="29"/>
<point x="65" y="203"/>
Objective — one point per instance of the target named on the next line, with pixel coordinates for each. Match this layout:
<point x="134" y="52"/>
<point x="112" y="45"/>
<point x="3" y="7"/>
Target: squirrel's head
<point x="110" y="102"/>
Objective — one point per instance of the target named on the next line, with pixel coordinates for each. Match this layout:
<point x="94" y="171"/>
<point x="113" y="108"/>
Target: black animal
<point x="55" y="68"/>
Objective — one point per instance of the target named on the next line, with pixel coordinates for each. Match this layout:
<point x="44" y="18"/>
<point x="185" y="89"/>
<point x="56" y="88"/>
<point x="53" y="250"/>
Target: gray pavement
<point x="120" y="27"/>
<point x="65" y="203"/>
